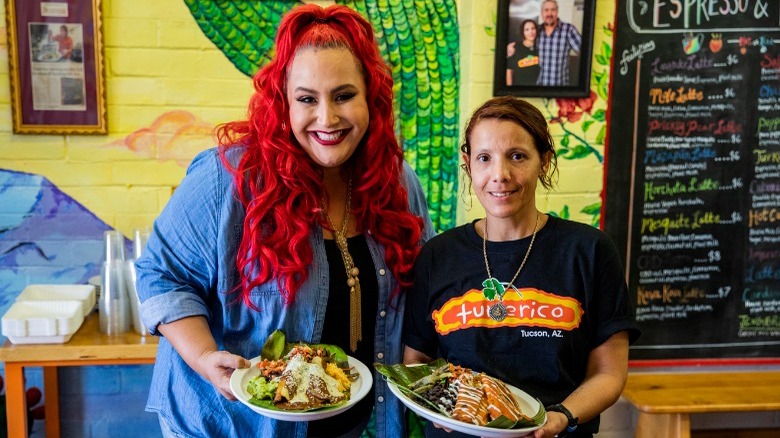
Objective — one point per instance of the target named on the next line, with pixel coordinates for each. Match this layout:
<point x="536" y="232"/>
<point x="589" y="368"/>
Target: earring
<point x="467" y="201"/>
<point x="284" y="126"/>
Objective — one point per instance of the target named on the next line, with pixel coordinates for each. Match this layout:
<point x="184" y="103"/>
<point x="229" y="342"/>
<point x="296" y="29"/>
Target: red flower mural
<point x="572" y="110"/>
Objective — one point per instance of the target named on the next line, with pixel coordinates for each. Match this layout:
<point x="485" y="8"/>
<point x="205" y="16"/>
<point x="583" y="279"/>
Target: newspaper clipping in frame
<point x="57" y="66"/>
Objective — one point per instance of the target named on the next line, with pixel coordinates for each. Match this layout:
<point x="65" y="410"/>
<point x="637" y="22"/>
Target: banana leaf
<point x="406" y="376"/>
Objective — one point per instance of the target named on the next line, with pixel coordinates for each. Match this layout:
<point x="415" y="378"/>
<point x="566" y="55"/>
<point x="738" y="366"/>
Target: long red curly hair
<point x="279" y="184"/>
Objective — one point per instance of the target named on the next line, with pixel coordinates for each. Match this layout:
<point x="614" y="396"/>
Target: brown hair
<point x="522" y="29"/>
<point x="524" y="114"/>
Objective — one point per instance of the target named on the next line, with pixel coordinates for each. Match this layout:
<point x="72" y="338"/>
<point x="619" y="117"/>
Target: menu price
<point x="699" y="217"/>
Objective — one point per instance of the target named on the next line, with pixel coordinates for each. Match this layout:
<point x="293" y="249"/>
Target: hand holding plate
<point x="218" y="366"/>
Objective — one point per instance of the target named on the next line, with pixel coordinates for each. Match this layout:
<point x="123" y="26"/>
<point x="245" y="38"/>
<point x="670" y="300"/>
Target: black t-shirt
<point x="336" y="330"/>
<point x="571" y="297"/>
<point x="524" y="65"/>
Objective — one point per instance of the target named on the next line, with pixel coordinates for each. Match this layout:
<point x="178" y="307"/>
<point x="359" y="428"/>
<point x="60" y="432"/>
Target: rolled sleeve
<point x="159" y="309"/>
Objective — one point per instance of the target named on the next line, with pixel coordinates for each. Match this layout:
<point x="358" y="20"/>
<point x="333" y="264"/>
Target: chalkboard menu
<point x="693" y="175"/>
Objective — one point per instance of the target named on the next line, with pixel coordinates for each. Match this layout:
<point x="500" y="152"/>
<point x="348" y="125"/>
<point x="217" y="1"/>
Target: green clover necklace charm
<point x="494" y="290"/>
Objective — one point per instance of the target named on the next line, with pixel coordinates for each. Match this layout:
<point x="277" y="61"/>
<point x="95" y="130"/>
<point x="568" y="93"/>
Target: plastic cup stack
<point x="139" y="242"/>
<point x="114" y="304"/>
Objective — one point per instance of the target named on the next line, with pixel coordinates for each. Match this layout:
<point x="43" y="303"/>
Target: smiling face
<point x="550" y="13"/>
<point x="505" y="166"/>
<point x="529" y="31"/>
<point x="328" y="110"/>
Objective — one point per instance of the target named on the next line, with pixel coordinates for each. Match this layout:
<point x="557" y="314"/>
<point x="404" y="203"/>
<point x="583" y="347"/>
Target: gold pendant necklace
<point x="492" y="288"/>
<point x="355" y="325"/>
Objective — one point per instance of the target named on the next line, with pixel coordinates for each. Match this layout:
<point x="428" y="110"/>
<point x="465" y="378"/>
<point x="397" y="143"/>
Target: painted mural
<point x="172" y="136"/>
<point x="579" y="124"/>
<point x="45" y="236"/>
<point x="420" y="42"/>
<point x="52" y="219"/>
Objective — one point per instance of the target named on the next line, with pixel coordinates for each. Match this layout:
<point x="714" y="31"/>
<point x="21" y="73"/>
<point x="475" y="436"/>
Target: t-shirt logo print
<point x="526" y="307"/>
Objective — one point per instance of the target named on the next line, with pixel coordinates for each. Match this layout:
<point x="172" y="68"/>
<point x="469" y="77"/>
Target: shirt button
<point x="380" y="399"/>
<point x="380" y="355"/>
<point x="382" y="271"/>
<point x="383" y="314"/>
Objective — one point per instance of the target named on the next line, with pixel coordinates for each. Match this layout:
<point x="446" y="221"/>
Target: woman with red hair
<point x="306" y="219"/>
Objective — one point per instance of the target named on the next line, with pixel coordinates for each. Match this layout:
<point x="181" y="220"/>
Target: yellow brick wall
<point x="580" y="181"/>
<point x="167" y="86"/>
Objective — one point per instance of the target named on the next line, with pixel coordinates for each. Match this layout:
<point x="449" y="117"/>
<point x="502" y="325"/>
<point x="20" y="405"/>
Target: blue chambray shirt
<point x="187" y="268"/>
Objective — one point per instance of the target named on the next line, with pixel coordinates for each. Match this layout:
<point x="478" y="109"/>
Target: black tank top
<point x="352" y="422"/>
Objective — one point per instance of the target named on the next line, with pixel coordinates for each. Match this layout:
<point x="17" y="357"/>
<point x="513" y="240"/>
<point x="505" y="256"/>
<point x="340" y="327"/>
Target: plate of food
<point x="301" y="382"/>
<point x="49" y="57"/>
<point x="463" y="400"/>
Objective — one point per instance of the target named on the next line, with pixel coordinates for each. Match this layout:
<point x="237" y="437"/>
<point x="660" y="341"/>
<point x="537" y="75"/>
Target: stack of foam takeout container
<point x="48" y="313"/>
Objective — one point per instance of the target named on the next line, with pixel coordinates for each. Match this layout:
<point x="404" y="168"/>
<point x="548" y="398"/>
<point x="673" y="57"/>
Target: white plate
<point x="358" y="390"/>
<point x="49" y="57"/>
<point x="529" y="406"/>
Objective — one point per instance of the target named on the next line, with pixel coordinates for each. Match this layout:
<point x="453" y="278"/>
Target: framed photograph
<point x="544" y="48"/>
<point x="55" y="52"/>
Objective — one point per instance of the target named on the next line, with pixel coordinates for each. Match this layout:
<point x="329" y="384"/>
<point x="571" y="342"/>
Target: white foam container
<point x="96" y="281"/>
<point x="83" y="293"/>
<point x="42" y="322"/>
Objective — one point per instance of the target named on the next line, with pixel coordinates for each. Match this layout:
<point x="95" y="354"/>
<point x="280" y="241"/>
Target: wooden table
<point x="666" y="400"/>
<point x="87" y="347"/>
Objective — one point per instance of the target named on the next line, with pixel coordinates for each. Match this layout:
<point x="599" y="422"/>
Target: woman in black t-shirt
<point x="537" y="301"/>
<point x="522" y="67"/>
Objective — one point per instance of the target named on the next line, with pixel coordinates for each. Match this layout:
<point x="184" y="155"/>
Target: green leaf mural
<point x="419" y="39"/>
<point x="563" y="214"/>
<point x="593" y="210"/>
<point x="243" y="30"/>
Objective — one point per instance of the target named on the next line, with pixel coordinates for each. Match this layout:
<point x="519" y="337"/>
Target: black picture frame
<point x="509" y="18"/>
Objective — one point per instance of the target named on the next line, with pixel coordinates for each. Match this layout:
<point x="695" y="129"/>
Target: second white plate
<point x="529" y="406"/>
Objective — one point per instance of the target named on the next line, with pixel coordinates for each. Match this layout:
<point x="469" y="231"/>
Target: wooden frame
<point x="517" y="74"/>
<point x="55" y="52"/>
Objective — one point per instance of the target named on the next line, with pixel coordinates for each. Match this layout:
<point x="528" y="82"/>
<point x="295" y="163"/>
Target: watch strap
<point x="572" y="420"/>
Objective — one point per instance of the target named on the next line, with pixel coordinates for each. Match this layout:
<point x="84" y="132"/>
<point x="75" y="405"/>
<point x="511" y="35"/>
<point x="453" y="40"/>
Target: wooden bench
<point x="666" y="400"/>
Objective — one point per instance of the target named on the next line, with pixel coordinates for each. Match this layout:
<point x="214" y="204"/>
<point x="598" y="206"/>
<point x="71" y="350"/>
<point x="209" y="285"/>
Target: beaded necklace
<point x="355" y="325"/>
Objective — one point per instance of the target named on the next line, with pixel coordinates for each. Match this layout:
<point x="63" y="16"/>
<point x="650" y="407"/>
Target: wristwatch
<point x="572" y="426"/>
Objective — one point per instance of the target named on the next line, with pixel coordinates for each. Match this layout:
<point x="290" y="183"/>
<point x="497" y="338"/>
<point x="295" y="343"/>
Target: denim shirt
<point x="188" y="268"/>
